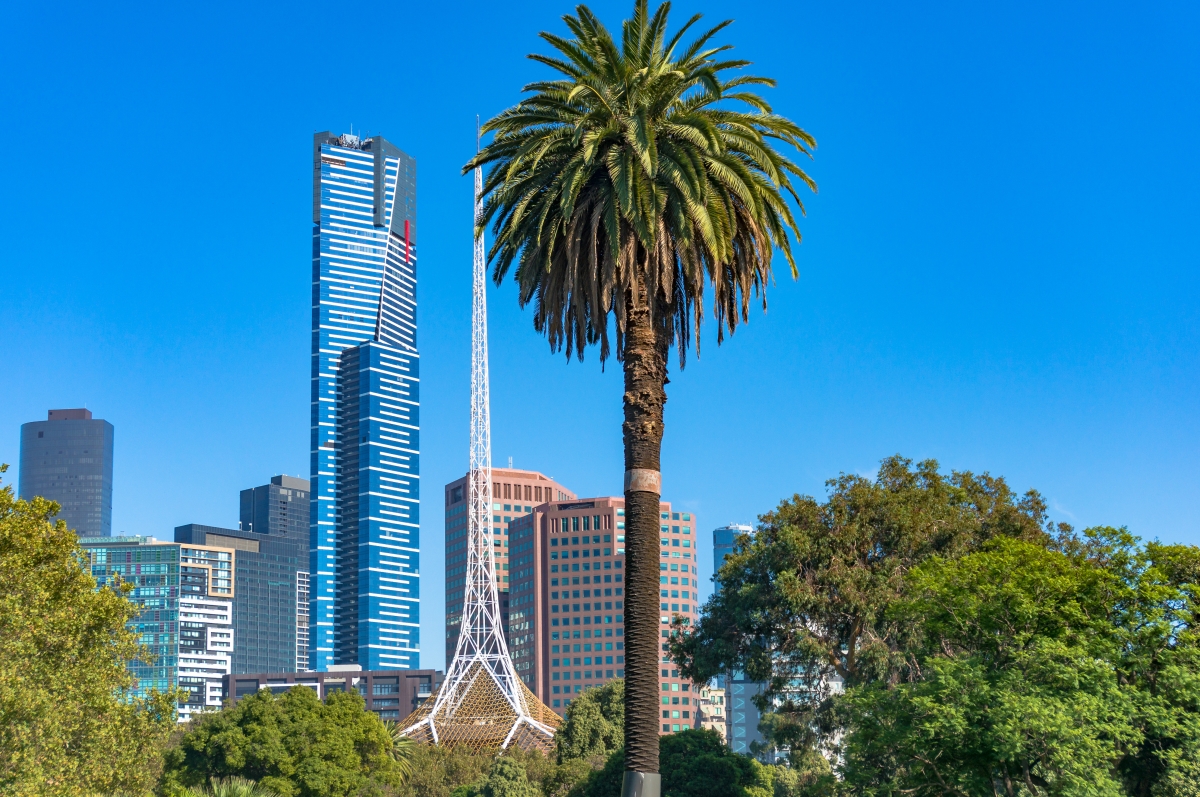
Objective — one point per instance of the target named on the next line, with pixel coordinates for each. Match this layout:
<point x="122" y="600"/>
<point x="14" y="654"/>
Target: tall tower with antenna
<point x="482" y="704"/>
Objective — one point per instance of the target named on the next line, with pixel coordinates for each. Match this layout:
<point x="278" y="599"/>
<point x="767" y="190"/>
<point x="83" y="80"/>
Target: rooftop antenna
<point x="482" y="704"/>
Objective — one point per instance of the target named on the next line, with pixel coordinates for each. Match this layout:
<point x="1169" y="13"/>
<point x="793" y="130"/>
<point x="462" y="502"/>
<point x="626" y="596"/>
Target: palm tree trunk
<point x="645" y="365"/>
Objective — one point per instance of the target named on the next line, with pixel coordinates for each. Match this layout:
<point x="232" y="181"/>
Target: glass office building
<point x="185" y="596"/>
<point x="68" y="458"/>
<point x="742" y="716"/>
<point x="364" y="560"/>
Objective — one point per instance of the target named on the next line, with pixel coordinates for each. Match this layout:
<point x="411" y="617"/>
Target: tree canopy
<point x="982" y="650"/>
<point x="292" y="744"/>
<point x="803" y="604"/>
<point x="594" y="724"/>
<point x="69" y="721"/>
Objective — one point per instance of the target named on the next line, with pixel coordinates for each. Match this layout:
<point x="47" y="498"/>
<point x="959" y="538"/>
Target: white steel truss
<point x="482" y="703"/>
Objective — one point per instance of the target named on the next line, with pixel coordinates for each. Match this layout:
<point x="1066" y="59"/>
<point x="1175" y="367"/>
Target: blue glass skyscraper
<point x="364" y="558"/>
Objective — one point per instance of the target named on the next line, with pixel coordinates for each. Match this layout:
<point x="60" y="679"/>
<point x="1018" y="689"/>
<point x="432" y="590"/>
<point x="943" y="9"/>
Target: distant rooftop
<point x="291" y="482"/>
<point x="69" y="415"/>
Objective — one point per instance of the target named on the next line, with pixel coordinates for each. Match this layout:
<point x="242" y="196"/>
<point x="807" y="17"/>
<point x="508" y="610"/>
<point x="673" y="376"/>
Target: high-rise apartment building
<point x="711" y="714"/>
<point x="302" y="604"/>
<point x="185" y="596"/>
<point x="566" y="629"/>
<point x="364" y="543"/>
<point x="742" y="716"/>
<point x="281" y="509"/>
<point x="264" y="609"/>
<point x="68" y="458"/>
<point x="514" y="493"/>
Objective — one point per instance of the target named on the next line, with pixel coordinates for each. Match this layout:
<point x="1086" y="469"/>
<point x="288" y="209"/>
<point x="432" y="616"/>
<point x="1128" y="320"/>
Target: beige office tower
<point x="515" y="494"/>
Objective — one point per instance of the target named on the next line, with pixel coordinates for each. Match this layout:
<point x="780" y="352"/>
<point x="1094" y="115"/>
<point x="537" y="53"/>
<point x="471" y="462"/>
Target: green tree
<point x="594" y="724"/>
<point x="1018" y="690"/>
<point x="440" y="771"/>
<point x="69" y="721"/>
<point x="1153" y="611"/>
<point x="292" y="744"/>
<point x="640" y="178"/>
<point x="804" y="602"/>
<point x="403" y="749"/>
<point x="695" y="763"/>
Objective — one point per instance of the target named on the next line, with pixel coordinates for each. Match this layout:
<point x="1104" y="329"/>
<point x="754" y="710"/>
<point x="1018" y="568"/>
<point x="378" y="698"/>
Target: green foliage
<point x="292" y="744"/>
<point x="440" y="772"/>
<point x="69" y="724"/>
<point x="594" y="725"/>
<point x="231" y="787"/>
<point x="806" y="599"/>
<point x="507" y="778"/>
<point x="695" y="763"/>
<point x="1018" y="688"/>
<point x="645" y="170"/>
<point x="403" y="749"/>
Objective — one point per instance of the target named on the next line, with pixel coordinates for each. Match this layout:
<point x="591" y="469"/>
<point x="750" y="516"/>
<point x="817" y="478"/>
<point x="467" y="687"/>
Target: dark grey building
<point x="392" y="694"/>
<point x="68" y="458"/>
<point x="272" y="547"/>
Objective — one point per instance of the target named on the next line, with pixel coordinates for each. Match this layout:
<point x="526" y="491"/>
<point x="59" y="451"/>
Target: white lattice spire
<point x="482" y="702"/>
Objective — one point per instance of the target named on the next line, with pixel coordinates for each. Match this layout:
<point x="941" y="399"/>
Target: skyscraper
<point x="185" y="596"/>
<point x="515" y="493"/>
<point x="364" y="560"/>
<point x="566" y="629"/>
<point x="68" y="458"/>
<point x="742" y="716"/>
<point x="725" y="540"/>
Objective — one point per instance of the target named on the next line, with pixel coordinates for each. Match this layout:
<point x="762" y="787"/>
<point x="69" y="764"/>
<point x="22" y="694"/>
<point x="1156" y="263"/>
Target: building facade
<point x="566" y="630"/>
<point x="742" y="716"/>
<point x="515" y="493"/>
<point x="711" y="713"/>
<point x="68" y="458"/>
<point x="185" y="596"/>
<point x="364" y="562"/>
<point x="392" y="694"/>
<point x="264" y="609"/>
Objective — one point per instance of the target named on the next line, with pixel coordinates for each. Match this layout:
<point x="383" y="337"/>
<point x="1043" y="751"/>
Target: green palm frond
<point x="648" y="164"/>
<point x="403" y="749"/>
<point x="232" y="787"/>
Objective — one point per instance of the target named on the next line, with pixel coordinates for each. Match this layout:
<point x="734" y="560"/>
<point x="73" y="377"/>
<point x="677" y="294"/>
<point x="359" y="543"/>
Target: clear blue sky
<point x="999" y="270"/>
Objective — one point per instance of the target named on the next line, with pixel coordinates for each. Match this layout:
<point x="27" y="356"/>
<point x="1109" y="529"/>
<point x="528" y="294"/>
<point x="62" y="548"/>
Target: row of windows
<point x="587" y="593"/>
<point x="587" y="553"/>
<point x="585" y="523"/>
<point x="587" y="607"/>
<point x="588" y="566"/>
<point x="586" y="580"/>
<point x="587" y="647"/>
<point x="608" y="619"/>
<point x="587" y="634"/>
<point x="587" y="662"/>
<point x="575" y="540"/>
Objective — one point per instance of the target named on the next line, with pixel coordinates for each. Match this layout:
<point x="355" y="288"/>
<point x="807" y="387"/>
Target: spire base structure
<point x="482" y="704"/>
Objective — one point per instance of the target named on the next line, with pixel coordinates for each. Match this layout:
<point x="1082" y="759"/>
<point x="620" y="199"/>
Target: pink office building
<point x="566" y="627"/>
<point x="514" y="495"/>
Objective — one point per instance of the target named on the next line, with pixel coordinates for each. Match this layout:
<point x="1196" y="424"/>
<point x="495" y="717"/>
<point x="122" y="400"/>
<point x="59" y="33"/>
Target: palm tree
<point x="403" y="749"/>
<point x="231" y="787"/>
<point x="643" y="176"/>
